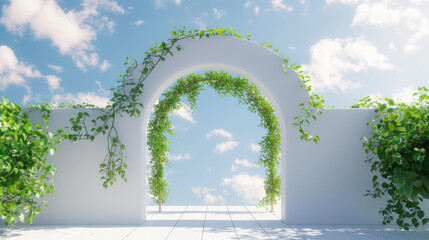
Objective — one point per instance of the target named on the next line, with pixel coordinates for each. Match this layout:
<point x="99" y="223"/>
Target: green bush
<point x="400" y="140"/>
<point x="25" y="175"/>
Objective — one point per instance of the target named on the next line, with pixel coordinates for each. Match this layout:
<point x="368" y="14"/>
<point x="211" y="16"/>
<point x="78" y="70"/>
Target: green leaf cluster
<point x="160" y="127"/>
<point x="125" y="101"/>
<point x="25" y="174"/>
<point x="400" y="140"/>
<point x="126" y="94"/>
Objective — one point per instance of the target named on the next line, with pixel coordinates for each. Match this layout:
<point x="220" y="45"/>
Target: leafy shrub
<point x="25" y="175"/>
<point x="400" y="140"/>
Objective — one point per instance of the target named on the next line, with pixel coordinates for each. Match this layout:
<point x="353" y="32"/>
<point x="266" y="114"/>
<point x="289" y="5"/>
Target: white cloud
<point x="199" y="21"/>
<point x="219" y="13"/>
<point x="206" y="194"/>
<point x="108" y="5"/>
<point x="256" y="9"/>
<point x="305" y="4"/>
<point x="226" y="146"/>
<point x="392" y="46"/>
<point x="184" y="112"/>
<point x="254" y="147"/>
<point x="101" y="90"/>
<point x="179" y="157"/>
<point x="90" y="97"/>
<point x="349" y="2"/>
<point x="291" y="48"/>
<point x="244" y="162"/>
<point x="138" y="22"/>
<point x="278" y="5"/>
<point x="331" y="59"/>
<point x="72" y="31"/>
<point x="376" y="14"/>
<point x="53" y="82"/>
<point x="233" y="168"/>
<point x="159" y="4"/>
<point x="17" y="73"/>
<point x="106" y="65"/>
<point x="410" y="22"/>
<point x="163" y="4"/>
<point x="247" y="4"/>
<point x="56" y="68"/>
<point x="212" y="199"/>
<point x="418" y="2"/>
<point x="406" y="94"/>
<point x="219" y="132"/>
<point x="13" y="71"/>
<point x="201" y="191"/>
<point x="251" y="188"/>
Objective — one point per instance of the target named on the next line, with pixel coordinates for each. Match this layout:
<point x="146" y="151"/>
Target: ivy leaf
<point x="420" y="214"/>
<point x="392" y="127"/>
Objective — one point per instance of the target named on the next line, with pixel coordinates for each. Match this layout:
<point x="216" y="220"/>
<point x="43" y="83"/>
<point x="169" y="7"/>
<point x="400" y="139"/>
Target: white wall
<point x="321" y="184"/>
<point x="79" y="197"/>
<point x="325" y="182"/>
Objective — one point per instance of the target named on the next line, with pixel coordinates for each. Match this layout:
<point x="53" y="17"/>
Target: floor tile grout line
<point x="232" y="222"/>
<point x="176" y="223"/>
<point x="153" y="214"/>
<point x="204" y="224"/>
<point x="263" y="229"/>
<point x="281" y="220"/>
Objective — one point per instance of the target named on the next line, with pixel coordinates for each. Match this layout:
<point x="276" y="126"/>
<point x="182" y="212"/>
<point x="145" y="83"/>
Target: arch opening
<point x="224" y="84"/>
<point x="250" y="60"/>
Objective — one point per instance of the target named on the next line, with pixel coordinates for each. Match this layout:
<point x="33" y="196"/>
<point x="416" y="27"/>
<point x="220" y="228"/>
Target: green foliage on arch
<point x="224" y="84"/>
<point x="399" y="140"/>
<point x="87" y="125"/>
<point x="130" y="87"/>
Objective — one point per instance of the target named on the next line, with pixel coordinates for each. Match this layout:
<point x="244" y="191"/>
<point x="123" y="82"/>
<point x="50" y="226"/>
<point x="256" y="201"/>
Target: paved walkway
<point x="212" y="222"/>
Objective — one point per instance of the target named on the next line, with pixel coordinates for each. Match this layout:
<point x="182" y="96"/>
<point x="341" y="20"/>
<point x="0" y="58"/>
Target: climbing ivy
<point x="400" y="138"/>
<point x="25" y="175"/>
<point x="130" y="87"/>
<point x="190" y="87"/>
<point x="398" y="152"/>
<point x="17" y="195"/>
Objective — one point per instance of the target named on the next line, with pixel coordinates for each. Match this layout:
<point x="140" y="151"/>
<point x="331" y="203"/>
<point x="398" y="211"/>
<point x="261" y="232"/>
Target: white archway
<point x="325" y="183"/>
<point x="248" y="59"/>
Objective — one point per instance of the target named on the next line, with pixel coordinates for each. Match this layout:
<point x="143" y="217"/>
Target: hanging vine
<point x="190" y="87"/>
<point x="130" y="87"/>
<point x="399" y="137"/>
<point x="87" y="125"/>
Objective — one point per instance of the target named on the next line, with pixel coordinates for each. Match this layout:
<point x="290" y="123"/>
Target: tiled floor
<point x="212" y="222"/>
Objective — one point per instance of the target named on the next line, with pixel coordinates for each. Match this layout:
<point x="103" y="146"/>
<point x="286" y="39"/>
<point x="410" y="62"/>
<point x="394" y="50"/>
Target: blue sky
<point x="73" y="50"/>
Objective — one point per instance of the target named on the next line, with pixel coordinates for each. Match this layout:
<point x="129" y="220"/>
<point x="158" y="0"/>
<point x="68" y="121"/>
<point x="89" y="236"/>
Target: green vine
<point x="398" y="152"/>
<point x="17" y="196"/>
<point x="398" y="148"/>
<point x="25" y="175"/>
<point x="129" y="88"/>
<point x="190" y="87"/>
